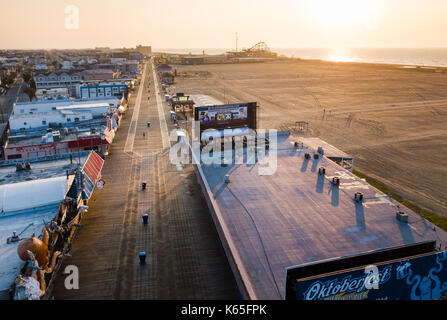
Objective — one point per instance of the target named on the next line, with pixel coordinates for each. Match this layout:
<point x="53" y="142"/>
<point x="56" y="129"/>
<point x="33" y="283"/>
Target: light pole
<point x="100" y="142"/>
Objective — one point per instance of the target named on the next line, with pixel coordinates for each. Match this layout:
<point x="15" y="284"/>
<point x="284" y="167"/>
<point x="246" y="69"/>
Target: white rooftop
<point x="25" y="207"/>
<point x="84" y="106"/>
<point x="202" y="100"/>
<point x="10" y="263"/>
<point x="28" y="195"/>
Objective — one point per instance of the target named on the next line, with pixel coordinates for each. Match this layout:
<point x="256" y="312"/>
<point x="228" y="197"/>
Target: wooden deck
<point x="297" y="216"/>
<point x="184" y="256"/>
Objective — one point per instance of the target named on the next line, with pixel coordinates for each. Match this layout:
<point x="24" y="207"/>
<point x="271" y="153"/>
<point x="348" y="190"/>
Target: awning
<point x="92" y="173"/>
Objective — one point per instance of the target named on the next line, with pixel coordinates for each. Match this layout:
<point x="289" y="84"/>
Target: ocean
<point x="408" y="56"/>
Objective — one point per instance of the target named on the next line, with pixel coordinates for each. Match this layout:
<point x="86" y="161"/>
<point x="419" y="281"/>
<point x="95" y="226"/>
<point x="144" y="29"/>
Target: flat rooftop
<point x="25" y="141"/>
<point x="329" y="150"/>
<point x="26" y="217"/>
<point x="202" y="100"/>
<point x="40" y="170"/>
<point x="27" y="224"/>
<point x="297" y="216"/>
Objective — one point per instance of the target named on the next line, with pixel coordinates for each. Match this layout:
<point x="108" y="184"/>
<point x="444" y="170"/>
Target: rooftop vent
<point x="401" y="216"/>
<point x="320" y="150"/>
<point x="358" y="197"/>
<point x="336" y="181"/>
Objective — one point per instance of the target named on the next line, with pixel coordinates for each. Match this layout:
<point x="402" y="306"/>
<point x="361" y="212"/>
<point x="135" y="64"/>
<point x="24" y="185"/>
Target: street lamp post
<point x="100" y="142"/>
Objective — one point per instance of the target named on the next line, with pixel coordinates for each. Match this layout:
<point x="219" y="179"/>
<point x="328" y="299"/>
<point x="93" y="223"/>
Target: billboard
<point x="227" y="116"/>
<point x="419" y="278"/>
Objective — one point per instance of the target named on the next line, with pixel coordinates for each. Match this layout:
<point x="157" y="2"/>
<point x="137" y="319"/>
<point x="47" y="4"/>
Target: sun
<point x="345" y="14"/>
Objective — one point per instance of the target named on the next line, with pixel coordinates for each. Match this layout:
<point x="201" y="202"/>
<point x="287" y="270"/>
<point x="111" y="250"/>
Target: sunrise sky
<point x="213" y="23"/>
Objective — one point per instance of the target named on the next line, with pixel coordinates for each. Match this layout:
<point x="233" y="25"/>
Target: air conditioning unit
<point x="336" y="181"/>
<point x="227" y="178"/>
<point x="316" y="156"/>
<point x="358" y="197"/>
<point x="307" y="156"/>
<point x="322" y="171"/>
<point x="320" y="150"/>
<point x="402" y="217"/>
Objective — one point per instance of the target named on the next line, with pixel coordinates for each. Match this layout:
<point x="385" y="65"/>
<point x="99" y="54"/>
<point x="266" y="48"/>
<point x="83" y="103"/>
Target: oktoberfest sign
<point x="421" y="278"/>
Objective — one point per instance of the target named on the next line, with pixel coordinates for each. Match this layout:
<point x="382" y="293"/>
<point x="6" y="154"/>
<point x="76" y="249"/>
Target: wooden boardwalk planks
<point x="184" y="256"/>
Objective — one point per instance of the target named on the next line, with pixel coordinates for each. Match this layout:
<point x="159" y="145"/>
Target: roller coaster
<point x="259" y="50"/>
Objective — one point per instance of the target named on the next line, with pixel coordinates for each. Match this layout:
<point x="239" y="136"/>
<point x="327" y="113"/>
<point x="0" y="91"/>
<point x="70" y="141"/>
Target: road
<point x="185" y="259"/>
<point x="14" y="94"/>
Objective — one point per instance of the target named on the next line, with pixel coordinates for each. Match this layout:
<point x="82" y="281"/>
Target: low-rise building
<point x="146" y="50"/>
<point x="98" y="74"/>
<point x="59" y="143"/>
<point x="167" y="78"/>
<point x="62" y="118"/>
<point x="21" y="108"/>
<point x="103" y="89"/>
<point x="52" y="94"/>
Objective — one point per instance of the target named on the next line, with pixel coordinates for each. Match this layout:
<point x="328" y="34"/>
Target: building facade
<point x="106" y="89"/>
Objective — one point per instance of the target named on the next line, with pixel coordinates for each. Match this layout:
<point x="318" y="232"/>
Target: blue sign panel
<point x="422" y="278"/>
<point x="89" y="185"/>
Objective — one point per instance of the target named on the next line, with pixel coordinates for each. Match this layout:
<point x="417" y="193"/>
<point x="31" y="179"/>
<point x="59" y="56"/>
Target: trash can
<point x="143" y="185"/>
<point x="145" y="218"/>
<point x="142" y="256"/>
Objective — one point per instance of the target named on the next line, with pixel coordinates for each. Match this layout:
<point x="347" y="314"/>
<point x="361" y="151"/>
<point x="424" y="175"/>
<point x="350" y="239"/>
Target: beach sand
<point x="393" y="120"/>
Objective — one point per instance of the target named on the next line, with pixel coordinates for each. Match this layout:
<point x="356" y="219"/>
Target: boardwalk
<point x="184" y="256"/>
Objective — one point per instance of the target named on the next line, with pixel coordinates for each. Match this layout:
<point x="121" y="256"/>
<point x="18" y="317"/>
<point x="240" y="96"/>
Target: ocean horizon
<point x="435" y="57"/>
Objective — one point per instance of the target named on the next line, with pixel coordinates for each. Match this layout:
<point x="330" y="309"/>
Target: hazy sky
<point x="213" y="23"/>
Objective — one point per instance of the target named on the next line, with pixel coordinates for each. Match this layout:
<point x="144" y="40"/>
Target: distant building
<point x="167" y="78"/>
<point x="103" y="89"/>
<point x="128" y="66"/>
<point x="21" y="108"/>
<point x="74" y="115"/>
<point x="135" y="56"/>
<point x="43" y="120"/>
<point x="67" y="65"/>
<point x="203" y="59"/>
<point x="115" y="60"/>
<point x="146" y="50"/>
<point x="58" y="80"/>
<point x="164" y="68"/>
<point x="41" y="67"/>
<point x="52" y="94"/>
<point x="55" y="143"/>
<point x="97" y="74"/>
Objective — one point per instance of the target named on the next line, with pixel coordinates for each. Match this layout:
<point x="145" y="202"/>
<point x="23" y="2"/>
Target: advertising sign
<point x="420" y="278"/>
<point x="227" y="116"/>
